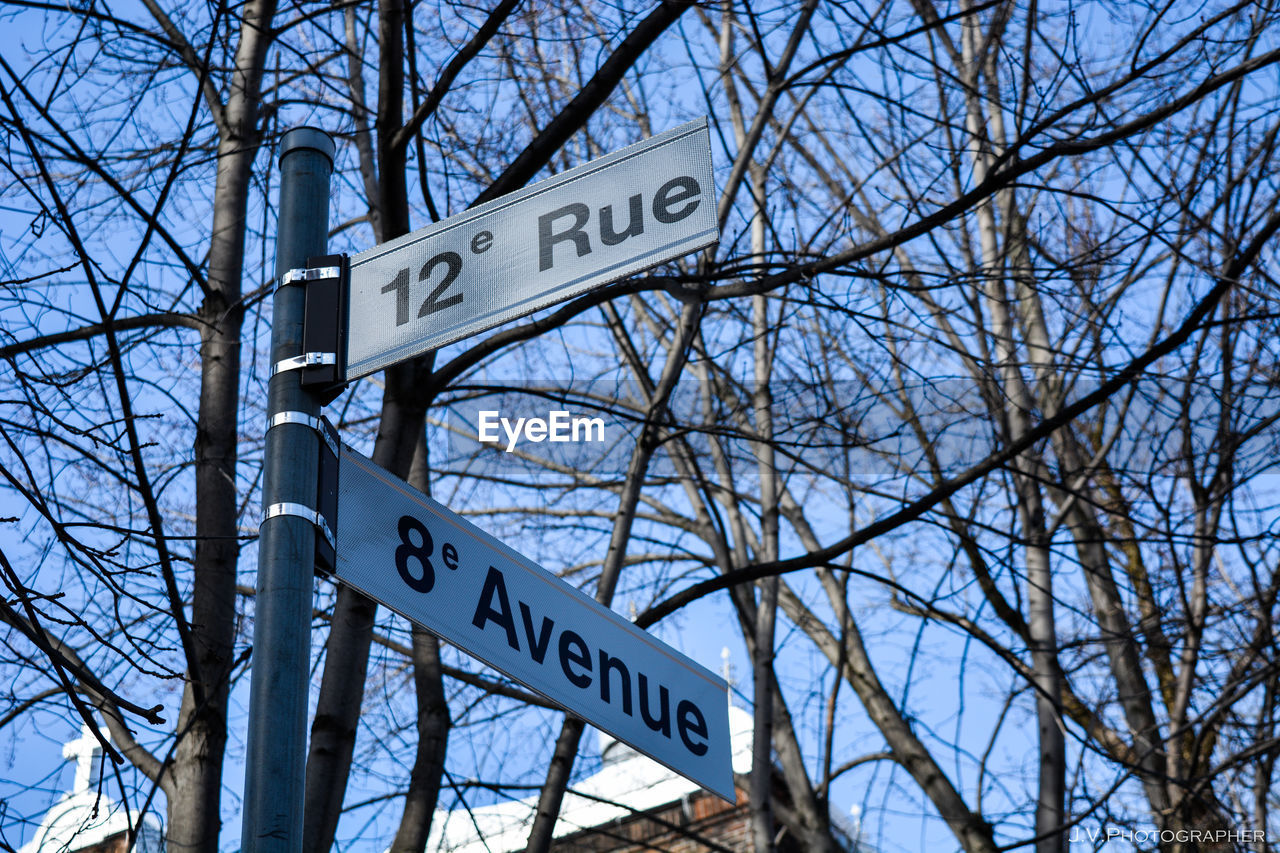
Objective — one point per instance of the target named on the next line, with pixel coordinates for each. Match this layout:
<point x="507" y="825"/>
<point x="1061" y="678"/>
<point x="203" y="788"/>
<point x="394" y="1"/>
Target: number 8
<point x="421" y="552"/>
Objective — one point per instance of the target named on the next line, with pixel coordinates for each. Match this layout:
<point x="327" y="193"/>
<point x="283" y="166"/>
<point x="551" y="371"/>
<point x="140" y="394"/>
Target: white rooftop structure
<point x="86" y="816"/>
<point x="627" y="777"/>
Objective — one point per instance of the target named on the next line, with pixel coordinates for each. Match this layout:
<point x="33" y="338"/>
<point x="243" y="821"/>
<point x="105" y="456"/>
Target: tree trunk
<point x="566" y="749"/>
<point x="195" y="791"/>
<point x="433" y="712"/>
<point x="333" y="731"/>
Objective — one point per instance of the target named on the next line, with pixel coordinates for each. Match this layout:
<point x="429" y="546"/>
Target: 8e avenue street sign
<point x="433" y="567"/>
<point x="603" y="221"/>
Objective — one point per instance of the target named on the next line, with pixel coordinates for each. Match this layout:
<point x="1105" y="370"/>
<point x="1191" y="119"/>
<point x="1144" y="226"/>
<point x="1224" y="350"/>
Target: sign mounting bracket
<point x="324" y="325"/>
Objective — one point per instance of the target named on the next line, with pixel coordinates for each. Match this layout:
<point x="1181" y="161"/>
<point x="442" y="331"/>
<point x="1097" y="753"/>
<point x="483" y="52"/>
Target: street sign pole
<point x="275" y="764"/>
<point x="554" y="240"/>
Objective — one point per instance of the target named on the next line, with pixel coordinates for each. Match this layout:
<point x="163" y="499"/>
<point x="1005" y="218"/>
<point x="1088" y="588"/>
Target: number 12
<point x="400" y="284"/>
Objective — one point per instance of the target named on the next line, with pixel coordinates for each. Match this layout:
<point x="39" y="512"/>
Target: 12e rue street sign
<point x="603" y="221"/>
<point x="430" y="565"/>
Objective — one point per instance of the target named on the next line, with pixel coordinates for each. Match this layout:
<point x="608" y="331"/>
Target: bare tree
<point x="971" y="404"/>
<point x="220" y="119"/>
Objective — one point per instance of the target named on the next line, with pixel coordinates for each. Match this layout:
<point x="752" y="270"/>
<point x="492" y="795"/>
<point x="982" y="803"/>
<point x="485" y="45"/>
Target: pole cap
<point x="307" y="137"/>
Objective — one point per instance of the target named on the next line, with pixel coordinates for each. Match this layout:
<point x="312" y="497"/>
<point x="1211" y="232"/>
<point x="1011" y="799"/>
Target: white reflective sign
<point x="608" y="219"/>
<point x="430" y="565"/>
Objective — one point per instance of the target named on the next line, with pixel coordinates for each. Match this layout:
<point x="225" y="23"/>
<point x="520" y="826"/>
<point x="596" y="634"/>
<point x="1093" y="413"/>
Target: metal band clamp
<point x="304" y="512"/>
<point x="306" y="420"/>
<point x="301" y="274"/>
<point x="307" y="359"/>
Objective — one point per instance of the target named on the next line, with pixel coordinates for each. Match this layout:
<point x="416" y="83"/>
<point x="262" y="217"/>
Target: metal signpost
<point x="432" y="566"/>
<point x="335" y="322"/>
<point x="608" y="219"/>
<point x="275" y="762"/>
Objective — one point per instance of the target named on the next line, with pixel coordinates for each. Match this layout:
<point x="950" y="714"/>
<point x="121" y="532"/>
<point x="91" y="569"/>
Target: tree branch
<point x="142" y="321"/>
